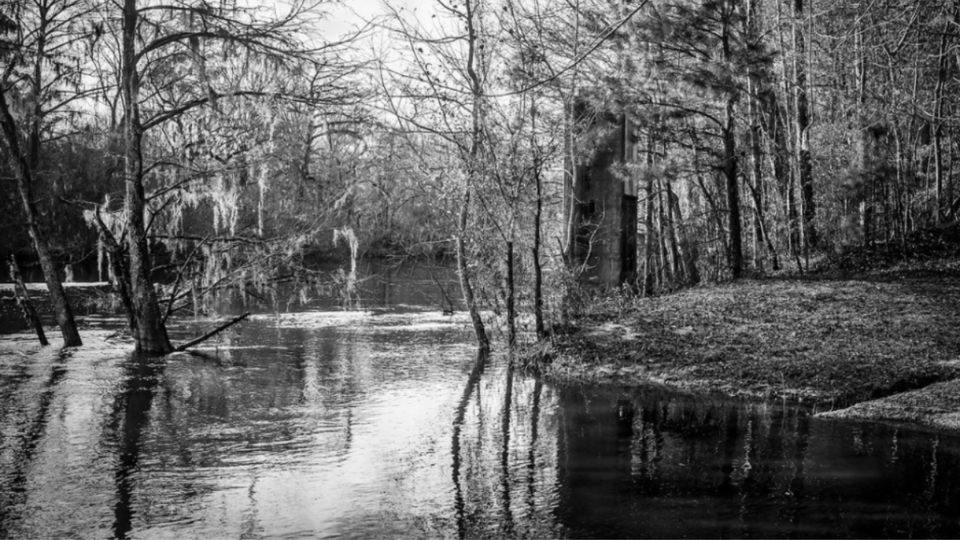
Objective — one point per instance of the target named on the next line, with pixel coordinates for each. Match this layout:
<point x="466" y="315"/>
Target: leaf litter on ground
<point x="834" y="340"/>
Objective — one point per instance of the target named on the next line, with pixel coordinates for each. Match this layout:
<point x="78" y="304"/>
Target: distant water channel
<point x="382" y="421"/>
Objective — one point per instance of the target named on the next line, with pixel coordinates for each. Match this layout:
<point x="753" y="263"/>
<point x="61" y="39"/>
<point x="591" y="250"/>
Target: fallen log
<point x="211" y="333"/>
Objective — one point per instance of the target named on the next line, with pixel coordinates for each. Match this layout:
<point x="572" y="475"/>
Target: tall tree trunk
<point x="733" y="192"/>
<point x="943" y="204"/>
<point x="730" y="166"/>
<point x="511" y="297"/>
<point x="711" y="202"/>
<point x="779" y="115"/>
<point x="24" y="174"/>
<point x="649" y="277"/>
<point x="570" y="177"/>
<point x="669" y="266"/>
<point x="476" y="90"/>
<point x="537" y="217"/>
<point x="804" y="162"/>
<point x="772" y="124"/>
<point x="901" y="185"/>
<point x="868" y="142"/>
<point x="686" y="263"/>
<point x="757" y="171"/>
<point x="755" y="84"/>
<point x="571" y="201"/>
<point x="762" y="228"/>
<point x="150" y="333"/>
<point x="953" y="203"/>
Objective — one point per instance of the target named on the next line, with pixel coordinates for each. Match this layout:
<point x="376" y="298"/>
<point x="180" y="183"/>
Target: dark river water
<point x="382" y="421"/>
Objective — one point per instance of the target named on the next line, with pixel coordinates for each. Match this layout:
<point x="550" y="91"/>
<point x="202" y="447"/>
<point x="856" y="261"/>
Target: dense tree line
<point x="190" y="147"/>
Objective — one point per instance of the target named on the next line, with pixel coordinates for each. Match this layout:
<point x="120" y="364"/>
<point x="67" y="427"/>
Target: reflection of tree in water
<point x="507" y="519"/>
<point x="235" y="408"/>
<point x="13" y="489"/>
<point x="456" y="447"/>
<point x="503" y="471"/>
<point x="127" y="421"/>
<point x="680" y="465"/>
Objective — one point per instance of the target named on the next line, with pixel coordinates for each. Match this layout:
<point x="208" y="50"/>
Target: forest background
<point x="180" y="148"/>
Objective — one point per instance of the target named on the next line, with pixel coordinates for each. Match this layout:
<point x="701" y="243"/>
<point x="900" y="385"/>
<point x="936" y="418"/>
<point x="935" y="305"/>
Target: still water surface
<point x="383" y="422"/>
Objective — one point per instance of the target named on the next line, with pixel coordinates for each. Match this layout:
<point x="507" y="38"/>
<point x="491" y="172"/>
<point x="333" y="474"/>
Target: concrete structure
<point x="602" y="205"/>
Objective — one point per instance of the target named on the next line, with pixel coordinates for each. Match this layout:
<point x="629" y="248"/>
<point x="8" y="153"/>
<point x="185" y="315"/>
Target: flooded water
<point x="383" y="421"/>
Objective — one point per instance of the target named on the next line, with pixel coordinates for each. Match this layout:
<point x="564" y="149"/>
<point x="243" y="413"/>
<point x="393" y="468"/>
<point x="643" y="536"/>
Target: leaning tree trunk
<point x="24" y="175"/>
<point x="22" y="295"/>
<point x="150" y="333"/>
<point x="468" y="298"/>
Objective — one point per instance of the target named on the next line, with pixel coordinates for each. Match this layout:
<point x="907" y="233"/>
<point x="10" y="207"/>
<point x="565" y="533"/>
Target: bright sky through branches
<point x="350" y="15"/>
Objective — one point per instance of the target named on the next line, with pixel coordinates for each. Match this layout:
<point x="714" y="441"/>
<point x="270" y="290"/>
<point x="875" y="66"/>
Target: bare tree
<point x="158" y="39"/>
<point x="448" y="79"/>
<point x="40" y="83"/>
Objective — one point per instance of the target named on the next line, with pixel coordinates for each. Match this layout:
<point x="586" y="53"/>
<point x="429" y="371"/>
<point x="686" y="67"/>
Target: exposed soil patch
<point x="834" y="341"/>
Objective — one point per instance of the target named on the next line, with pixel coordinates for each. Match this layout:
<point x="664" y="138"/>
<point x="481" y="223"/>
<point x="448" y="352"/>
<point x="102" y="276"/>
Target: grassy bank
<point x="837" y="340"/>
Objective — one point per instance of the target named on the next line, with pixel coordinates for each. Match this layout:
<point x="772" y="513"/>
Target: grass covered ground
<point x="856" y="332"/>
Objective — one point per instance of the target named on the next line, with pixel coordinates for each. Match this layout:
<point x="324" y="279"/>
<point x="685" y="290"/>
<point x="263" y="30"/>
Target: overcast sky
<point x="350" y="14"/>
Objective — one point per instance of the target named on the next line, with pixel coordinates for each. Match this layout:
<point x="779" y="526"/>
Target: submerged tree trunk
<point x="463" y="271"/>
<point x="24" y="175"/>
<point x="150" y="333"/>
<point x="473" y="157"/>
<point x="26" y="303"/>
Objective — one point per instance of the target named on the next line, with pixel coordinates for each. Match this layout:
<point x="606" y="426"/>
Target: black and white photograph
<point x="493" y="269"/>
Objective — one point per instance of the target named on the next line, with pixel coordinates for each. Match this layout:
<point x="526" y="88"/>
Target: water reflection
<point x="23" y="447"/>
<point x="459" y="414"/>
<point x="125" y="429"/>
<point x="505" y="484"/>
<point x="656" y="464"/>
<point x="387" y="423"/>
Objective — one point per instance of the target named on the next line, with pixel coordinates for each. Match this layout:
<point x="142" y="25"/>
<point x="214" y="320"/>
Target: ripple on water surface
<point x="385" y="424"/>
